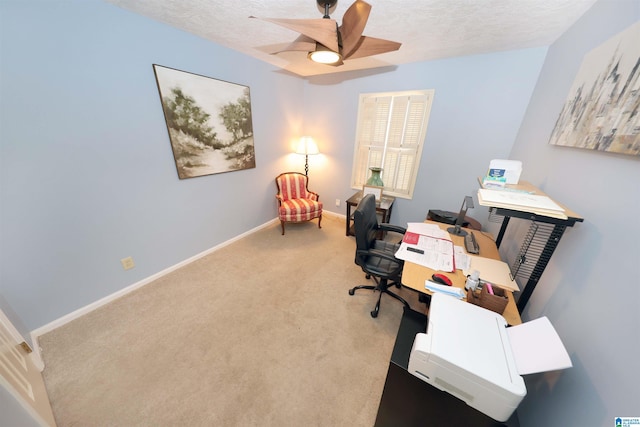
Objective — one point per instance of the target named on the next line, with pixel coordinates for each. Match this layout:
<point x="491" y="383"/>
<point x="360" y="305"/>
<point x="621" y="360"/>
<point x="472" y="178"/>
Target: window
<point x="390" y="134"/>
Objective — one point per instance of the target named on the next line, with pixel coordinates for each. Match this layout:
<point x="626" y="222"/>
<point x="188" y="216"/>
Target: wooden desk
<point x="414" y="275"/>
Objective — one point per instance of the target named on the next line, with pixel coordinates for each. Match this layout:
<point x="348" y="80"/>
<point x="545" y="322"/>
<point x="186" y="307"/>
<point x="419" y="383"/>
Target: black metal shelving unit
<point x="535" y="251"/>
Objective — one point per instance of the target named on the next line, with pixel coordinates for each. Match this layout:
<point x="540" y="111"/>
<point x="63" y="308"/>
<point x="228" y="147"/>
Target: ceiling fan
<point x="328" y="43"/>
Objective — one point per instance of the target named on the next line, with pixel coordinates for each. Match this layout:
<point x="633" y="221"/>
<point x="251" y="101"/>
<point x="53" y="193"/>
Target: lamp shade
<point x="307" y="146"/>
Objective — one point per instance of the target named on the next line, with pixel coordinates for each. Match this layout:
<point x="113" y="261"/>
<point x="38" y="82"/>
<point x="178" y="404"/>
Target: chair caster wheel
<point x="351" y="292"/>
<point x="368" y="276"/>
<point x="374" y="314"/>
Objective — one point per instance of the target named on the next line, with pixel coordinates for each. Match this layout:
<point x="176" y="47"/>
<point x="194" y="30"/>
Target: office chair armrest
<point x="380" y="254"/>
<point x="390" y="227"/>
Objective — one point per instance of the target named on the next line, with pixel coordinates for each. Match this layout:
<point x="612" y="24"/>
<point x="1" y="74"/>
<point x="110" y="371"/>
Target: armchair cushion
<point x="297" y="210"/>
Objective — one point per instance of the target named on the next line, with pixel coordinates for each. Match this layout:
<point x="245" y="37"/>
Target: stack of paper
<point x="541" y="205"/>
<point x="444" y="289"/>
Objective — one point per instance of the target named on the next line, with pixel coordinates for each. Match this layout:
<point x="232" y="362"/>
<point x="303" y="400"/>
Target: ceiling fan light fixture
<point x="323" y="55"/>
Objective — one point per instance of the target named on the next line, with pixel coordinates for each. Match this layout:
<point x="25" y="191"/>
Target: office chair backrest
<point x="365" y="223"/>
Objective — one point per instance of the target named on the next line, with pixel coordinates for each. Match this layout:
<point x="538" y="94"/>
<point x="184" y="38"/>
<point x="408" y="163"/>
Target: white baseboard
<point x="36" y="333"/>
<point x="337" y="215"/>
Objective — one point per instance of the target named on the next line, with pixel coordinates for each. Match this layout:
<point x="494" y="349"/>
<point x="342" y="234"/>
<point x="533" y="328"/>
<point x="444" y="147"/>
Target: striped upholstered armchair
<point x="295" y="202"/>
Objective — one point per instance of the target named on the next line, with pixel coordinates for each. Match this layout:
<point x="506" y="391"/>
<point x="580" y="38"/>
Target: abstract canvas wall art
<point x="602" y="111"/>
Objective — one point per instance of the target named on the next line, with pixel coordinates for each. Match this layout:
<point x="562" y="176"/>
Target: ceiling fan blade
<point x="322" y="30"/>
<point x="302" y="44"/>
<point x="368" y="46"/>
<point x="353" y="23"/>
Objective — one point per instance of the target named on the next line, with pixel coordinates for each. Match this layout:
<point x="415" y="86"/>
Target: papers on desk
<point x="462" y="259"/>
<point x="427" y="250"/>
<point x="493" y="271"/>
<point x="425" y="229"/>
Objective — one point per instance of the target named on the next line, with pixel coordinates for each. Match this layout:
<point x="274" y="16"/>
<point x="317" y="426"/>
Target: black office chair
<point x="376" y="257"/>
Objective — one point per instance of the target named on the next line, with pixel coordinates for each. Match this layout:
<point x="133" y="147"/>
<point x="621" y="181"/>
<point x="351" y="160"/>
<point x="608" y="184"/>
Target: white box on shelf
<point x="512" y="169"/>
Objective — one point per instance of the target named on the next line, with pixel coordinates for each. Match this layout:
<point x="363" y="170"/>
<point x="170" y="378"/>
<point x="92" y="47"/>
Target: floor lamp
<point x="308" y="147"/>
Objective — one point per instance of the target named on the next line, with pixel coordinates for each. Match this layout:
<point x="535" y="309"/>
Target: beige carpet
<point x="261" y="332"/>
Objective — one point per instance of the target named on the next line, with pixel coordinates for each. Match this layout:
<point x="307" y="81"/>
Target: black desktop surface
<point x="412" y="323"/>
<point x="407" y="401"/>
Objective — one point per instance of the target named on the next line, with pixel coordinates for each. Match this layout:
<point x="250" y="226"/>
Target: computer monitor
<point x="467" y="203"/>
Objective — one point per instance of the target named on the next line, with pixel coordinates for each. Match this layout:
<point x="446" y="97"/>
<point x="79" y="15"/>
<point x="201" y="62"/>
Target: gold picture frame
<point x="372" y="189"/>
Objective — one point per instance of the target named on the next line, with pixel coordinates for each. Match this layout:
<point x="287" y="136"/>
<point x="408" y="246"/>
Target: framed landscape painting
<point x="602" y="111"/>
<point x="209" y="122"/>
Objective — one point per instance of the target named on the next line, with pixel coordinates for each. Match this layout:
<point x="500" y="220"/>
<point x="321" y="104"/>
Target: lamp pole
<point x="306" y="146"/>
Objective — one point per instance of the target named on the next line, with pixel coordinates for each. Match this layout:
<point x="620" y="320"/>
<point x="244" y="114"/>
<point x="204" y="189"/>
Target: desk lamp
<point x="307" y="146"/>
<point x="467" y="203"/>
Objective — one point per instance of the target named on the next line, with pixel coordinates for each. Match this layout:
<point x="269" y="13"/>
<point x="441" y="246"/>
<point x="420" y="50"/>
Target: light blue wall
<point x="87" y="172"/>
<point x="478" y="106"/>
<point x="590" y="290"/>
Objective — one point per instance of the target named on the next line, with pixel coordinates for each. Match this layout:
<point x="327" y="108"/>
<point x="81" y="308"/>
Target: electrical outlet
<point x="337" y="202"/>
<point x="127" y="263"/>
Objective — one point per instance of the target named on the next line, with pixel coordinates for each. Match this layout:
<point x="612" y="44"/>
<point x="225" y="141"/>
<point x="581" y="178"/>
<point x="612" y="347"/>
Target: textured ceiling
<point x="427" y="29"/>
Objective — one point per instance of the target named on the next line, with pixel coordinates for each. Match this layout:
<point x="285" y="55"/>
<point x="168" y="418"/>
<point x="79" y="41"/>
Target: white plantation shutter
<point x="390" y="134"/>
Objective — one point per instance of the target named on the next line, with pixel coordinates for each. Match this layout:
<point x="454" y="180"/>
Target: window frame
<point x="383" y="130"/>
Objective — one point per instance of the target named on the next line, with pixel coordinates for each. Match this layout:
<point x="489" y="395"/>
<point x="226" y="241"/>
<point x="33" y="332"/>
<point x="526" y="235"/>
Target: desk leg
<point x="503" y="228"/>
<point x="549" y="247"/>
<point x="348" y="219"/>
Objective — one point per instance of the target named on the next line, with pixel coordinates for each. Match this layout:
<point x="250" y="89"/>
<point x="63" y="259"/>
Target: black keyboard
<point x="470" y="243"/>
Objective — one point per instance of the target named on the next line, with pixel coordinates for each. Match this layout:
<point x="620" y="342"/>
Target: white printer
<point x="467" y="352"/>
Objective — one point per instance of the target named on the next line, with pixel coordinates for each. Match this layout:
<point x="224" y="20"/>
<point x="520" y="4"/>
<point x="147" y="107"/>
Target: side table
<point x="383" y="206"/>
